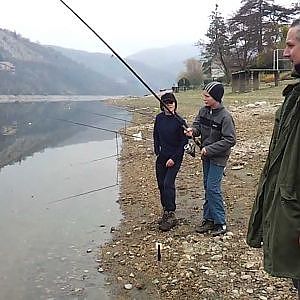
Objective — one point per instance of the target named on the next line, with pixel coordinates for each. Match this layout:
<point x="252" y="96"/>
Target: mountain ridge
<point x="45" y="69"/>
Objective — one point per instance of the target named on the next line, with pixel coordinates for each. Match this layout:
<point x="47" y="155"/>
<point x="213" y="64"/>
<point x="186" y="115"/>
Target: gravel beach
<point x="192" y="266"/>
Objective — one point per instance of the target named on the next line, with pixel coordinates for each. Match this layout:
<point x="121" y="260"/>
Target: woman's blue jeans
<point x="213" y="208"/>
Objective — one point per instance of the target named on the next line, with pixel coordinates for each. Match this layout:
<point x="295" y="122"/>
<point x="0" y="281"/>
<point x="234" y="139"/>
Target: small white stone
<point x="128" y="286"/>
<point x="249" y="265"/>
<point x="270" y="288"/>
<point x="237" y="167"/>
<point x="216" y="257"/>
<point x="246" y="277"/>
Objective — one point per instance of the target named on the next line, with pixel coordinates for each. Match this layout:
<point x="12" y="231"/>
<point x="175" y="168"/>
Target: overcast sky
<point x="127" y="25"/>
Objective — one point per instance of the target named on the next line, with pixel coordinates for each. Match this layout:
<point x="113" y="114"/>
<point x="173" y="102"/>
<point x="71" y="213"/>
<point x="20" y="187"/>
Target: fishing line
<point x="85" y="193"/>
<point x="98" y="189"/>
<point x="117" y="154"/>
<point x="98" y="159"/>
<point x="99" y="128"/>
<point x="180" y="120"/>
<point x="134" y="110"/>
<point x="117" y="150"/>
<point x="107" y="116"/>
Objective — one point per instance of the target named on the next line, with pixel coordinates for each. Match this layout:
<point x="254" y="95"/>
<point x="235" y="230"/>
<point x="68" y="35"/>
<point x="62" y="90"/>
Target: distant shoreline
<point x="57" y="98"/>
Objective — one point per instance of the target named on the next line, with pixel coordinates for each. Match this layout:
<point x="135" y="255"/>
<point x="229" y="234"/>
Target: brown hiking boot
<point x="169" y="222"/>
<point x="205" y="226"/>
<point x="163" y="217"/>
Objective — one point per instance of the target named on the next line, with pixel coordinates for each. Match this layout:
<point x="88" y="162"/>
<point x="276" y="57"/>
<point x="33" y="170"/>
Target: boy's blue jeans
<point x="213" y="208"/>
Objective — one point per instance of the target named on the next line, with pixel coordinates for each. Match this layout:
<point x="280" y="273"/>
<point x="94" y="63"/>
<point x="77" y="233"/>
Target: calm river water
<point x="49" y="239"/>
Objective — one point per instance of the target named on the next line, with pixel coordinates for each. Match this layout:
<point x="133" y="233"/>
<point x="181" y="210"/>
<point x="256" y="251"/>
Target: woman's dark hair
<point x="168" y="97"/>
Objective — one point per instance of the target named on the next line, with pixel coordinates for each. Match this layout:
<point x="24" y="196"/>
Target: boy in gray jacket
<point x="215" y="126"/>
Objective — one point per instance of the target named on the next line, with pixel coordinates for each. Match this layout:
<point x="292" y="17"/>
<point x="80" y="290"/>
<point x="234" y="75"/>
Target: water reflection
<point x="26" y="128"/>
<point x="44" y="248"/>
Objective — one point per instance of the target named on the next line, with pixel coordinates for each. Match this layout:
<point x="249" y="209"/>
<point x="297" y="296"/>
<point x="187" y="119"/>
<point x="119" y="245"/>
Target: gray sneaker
<point x="205" y="226"/>
<point x="219" y="229"/>
<point x="169" y="222"/>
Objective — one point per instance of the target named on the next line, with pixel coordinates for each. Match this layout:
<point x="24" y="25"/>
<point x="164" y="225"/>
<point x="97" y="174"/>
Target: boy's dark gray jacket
<point x="275" y="218"/>
<point x="217" y="132"/>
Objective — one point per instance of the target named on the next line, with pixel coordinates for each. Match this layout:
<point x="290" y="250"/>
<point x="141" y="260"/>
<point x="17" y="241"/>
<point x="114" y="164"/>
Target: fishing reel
<point x="190" y="148"/>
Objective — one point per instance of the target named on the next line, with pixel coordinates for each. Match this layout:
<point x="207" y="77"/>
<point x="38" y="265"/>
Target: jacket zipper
<point x="211" y="121"/>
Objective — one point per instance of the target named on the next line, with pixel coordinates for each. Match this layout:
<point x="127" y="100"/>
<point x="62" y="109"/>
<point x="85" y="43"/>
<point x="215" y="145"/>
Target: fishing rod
<point x="180" y="120"/>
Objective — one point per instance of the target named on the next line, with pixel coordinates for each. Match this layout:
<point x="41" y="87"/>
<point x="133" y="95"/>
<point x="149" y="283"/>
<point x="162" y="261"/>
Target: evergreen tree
<point x="256" y="29"/>
<point x="217" y="48"/>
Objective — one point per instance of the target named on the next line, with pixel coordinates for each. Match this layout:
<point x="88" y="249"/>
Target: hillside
<point x="54" y="70"/>
<point x="170" y="59"/>
<point x="112" y="67"/>
<point x="42" y="70"/>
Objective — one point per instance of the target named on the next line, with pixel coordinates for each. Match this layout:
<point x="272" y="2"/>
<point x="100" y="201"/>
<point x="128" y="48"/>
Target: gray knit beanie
<point x="215" y="89"/>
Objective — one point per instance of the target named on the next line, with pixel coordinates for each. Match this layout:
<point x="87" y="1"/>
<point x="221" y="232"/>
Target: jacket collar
<point x="215" y="110"/>
<point x="296" y="71"/>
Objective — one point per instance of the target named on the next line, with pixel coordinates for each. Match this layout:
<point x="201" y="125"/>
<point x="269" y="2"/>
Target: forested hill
<point x="53" y="70"/>
<point x="42" y="70"/>
<point x="156" y="76"/>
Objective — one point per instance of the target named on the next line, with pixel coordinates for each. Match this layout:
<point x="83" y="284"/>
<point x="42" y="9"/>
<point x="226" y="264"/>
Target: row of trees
<point x="248" y="38"/>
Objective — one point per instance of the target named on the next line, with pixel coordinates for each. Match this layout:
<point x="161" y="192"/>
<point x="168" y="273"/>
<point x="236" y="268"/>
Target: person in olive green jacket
<point x="275" y="220"/>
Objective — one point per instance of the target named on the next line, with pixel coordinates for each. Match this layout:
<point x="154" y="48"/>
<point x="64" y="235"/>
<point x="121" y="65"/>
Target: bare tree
<point x="193" y="72"/>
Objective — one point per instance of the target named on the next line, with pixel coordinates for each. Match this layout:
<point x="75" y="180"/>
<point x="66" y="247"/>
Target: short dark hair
<point x="296" y="23"/>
